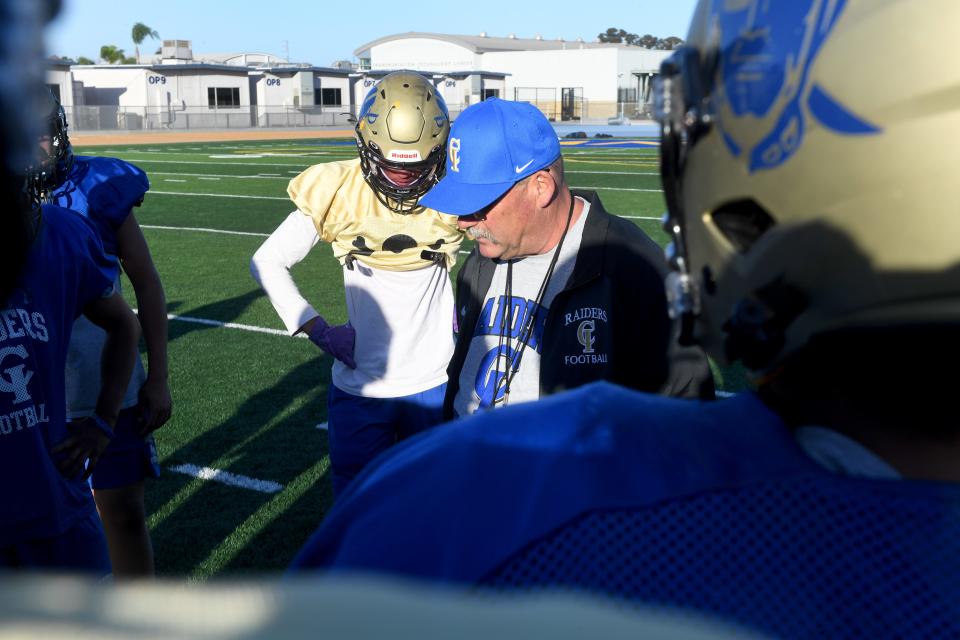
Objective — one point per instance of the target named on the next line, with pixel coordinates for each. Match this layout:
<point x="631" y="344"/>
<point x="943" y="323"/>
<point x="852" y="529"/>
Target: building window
<point x="223" y="97"/>
<point x="491" y="93"/>
<point x="55" y="90"/>
<point x="329" y="97"/>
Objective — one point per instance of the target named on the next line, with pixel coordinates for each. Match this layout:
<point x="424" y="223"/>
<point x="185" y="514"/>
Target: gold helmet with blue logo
<point x="808" y="163"/>
<point x="401" y="134"/>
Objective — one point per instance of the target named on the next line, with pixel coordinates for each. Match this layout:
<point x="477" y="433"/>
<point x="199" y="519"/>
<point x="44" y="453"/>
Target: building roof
<point x="485" y="44"/>
<point x="167" y="68"/>
<point x="379" y="73"/>
<point x="284" y="68"/>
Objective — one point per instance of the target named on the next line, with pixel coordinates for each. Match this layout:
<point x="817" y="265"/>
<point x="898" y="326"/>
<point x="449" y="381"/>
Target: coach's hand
<point x="86" y="440"/>
<point x="338" y="341"/>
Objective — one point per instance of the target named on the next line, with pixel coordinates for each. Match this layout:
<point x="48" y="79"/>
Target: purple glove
<point x="337" y="341"/>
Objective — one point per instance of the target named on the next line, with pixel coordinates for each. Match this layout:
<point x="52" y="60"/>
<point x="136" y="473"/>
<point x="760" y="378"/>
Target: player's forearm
<point x="116" y="365"/>
<point x="152" y="311"/>
<point x="270" y="267"/>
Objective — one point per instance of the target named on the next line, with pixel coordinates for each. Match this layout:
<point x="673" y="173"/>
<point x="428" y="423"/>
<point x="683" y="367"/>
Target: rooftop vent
<point x="512" y="36"/>
<point x="483" y="34"/>
<point x="539" y="37"/>
<point x="176" y="50"/>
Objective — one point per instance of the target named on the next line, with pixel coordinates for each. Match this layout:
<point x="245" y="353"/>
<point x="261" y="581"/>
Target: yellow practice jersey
<point x="348" y="215"/>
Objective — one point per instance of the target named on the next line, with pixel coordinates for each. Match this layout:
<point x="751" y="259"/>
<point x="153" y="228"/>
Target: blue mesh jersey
<point x="711" y="507"/>
<point x="66" y="269"/>
<point x="104" y="190"/>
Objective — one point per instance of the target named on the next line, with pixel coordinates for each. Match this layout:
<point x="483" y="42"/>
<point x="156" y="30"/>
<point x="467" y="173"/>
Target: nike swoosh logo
<point x="520" y="169"/>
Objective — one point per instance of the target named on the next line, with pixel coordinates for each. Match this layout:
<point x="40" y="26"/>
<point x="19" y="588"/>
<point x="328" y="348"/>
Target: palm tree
<point x="140" y="33"/>
<point x="111" y="54"/>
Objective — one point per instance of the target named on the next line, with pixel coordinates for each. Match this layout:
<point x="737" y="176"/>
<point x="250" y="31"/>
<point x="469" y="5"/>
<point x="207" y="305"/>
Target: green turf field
<point x="248" y="399"/>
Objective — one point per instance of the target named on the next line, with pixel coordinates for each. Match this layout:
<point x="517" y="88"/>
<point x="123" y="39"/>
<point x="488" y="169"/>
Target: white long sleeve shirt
<point x="403" y="319"/>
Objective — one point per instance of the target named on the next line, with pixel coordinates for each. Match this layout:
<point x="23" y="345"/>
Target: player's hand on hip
<point x="86" y="439"/>
<point x="156" y="405"/>
<point x="338" y="341"/>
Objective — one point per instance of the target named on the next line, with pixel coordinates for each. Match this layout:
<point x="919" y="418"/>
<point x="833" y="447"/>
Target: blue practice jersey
<point x="66" y="269"/>
<point x="104" y="190"/>
<point x="712" y="507"/>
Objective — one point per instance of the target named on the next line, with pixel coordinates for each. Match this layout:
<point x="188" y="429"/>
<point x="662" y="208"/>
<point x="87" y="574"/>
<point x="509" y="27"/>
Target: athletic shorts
<point x="82" y="548"/>
<point x="129" y="458"/>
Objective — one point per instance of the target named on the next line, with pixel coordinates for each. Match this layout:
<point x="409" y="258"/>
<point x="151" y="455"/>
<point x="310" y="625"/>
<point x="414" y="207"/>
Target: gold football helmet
<point x="808" y="167"/>
<point x="401" y="134"/>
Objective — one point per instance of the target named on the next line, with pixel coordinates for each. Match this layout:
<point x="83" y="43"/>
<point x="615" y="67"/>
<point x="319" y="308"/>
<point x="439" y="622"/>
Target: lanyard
<point x="526" y="332"/>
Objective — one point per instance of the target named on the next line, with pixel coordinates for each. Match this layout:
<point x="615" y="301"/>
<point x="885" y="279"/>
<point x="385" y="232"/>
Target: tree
<point x="138" y="34"/>
<point x="647" y="41"/>
<point x="111" y="54"/>
<point x="617" y="35"/>
<point x="668" y="44"/>
<point x="84" y="60"/>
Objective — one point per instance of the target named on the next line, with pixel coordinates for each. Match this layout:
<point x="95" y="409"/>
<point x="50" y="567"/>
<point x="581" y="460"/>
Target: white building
<point x="567" y="80"/>
<point x="176" y="90"/>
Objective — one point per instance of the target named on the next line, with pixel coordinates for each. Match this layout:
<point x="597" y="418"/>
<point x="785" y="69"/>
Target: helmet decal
<point x="769" y="49"/>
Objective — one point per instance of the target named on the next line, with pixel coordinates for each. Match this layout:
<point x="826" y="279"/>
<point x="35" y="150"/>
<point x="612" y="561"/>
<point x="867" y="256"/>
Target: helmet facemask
<point x="402" y="197"/>
<point x="54" y="155"/>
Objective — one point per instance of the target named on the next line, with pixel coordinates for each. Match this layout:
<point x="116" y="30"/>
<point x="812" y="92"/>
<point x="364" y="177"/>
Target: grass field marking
<point x="618" y="173"/>
<point x="214" y="195"/>
<point x="208" y="178"/>
<point x="205" y="230"/>
<point x="247" y="531"/>
<point x="225" y="477"/>
<point x="580" y="186"/>
<point x="323" y="426"/>
<point x="633" y="218"/>
<point x="220" y="164"/>
<point x="217" y="176"/>
<point x="725" y="394"/>
<point x="231" y="325"/>
<point x="173" y="180"/>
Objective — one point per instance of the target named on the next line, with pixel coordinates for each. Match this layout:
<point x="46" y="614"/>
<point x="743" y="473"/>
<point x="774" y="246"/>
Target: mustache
<point x="477" y="232"/>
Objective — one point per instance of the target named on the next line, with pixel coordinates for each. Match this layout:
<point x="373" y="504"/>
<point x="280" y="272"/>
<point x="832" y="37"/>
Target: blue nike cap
<point x="492" y="145"/>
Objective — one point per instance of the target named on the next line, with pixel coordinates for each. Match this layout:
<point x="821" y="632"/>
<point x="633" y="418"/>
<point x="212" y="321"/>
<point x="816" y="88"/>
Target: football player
<point x="807" y="161"/>
<point x="390" y="358"/>
<point x="105" y="191"/>
<point x="54" y="269"/>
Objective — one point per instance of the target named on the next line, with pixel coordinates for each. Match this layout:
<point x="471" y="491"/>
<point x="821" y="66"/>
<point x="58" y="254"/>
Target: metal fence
<point x="568" y="107"/>
<point x="126" y="118"/>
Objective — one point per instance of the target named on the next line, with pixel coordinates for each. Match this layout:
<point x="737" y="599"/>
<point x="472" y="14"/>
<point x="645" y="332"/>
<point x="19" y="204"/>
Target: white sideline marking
<point x="216" y="195"/>
<point x="173" y="180"/>
<point x="616" y="173"/>
<point x="206" y="177"/>
<point x="231" y="325"/>
<point x="617" y="189"/>
<point x="232" y="479"/>
<point x="322" y="426"/>
<point x="263" y="176"/>
<point x="239" y="164"/>
<point x="205" y="230"/>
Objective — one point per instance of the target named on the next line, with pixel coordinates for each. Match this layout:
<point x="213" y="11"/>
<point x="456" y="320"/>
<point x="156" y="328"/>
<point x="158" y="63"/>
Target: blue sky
<point x="320" y="32"/>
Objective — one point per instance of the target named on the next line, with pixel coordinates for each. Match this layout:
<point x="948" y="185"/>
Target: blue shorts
<point x="82" y="548"/>
<point x="129" y="458"/>
<point x="360" y="429"/>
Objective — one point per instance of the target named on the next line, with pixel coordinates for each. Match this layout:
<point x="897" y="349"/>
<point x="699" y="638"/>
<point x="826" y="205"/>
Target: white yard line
<point x="215" y="195"/>
<point x="636" y="218"/>
<point x="173" y="180"/>
<point x="232" y="325"/>
<point x="225" y="477"/>
<point x="217" y="176"/>
<point x="205" y="230"/>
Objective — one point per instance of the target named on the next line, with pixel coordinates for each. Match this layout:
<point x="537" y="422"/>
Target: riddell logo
<point x="404" y="155"/>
